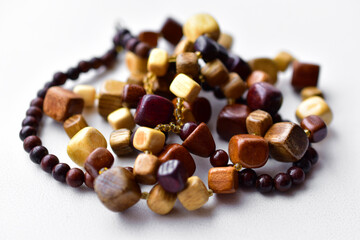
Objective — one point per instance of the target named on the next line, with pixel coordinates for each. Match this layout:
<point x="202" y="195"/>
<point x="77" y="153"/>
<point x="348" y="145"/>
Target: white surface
<point x="41" y="37"/>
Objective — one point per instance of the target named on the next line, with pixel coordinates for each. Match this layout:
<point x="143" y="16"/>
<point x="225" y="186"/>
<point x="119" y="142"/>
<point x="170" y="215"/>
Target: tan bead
<point x="258" y="122"/>
<point x="136" y="78"/>
<point x="287" y="141"/>
<point x="194" y="195"/>
<point x="121" y="118"/>
<point x="310" y="92"/>
<point x="223" y="179"/>
<point x="148" y="139"/>
<point x="149" y="37"/>
<point x="145" y="168"/>
<point x="60" y="103"/>
<point x="215" y="73"/>
<point x="235" y="87"/>
<point x="187" y="63"/>
<point x="184" y="87"/>
<point x="135" y="63"/>
<point x="283" y="60"/>
<point x="267" y="65"/>
<point x="314" y="106"/>
<point x="200" y="24"/>
<point x="160" y="201"/>
<point x="74" y="124"/>
<point x="110" y="97"/>
<point x="183" y="46"/>
<point x="117" y="189"/>
<point x="258" y="76"/>
<point x="158" y="62"/>
<point x="225" y="40"/>
<point x="120" y="142"/>
<point x="87" y="92"/>
<point x="83" y="143"/>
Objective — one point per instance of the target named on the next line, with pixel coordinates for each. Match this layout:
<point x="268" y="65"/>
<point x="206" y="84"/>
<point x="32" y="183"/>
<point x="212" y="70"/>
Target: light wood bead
<point x="83" y="143"/>
<point x="145" y="168"/>
<point x="283" y="60"/>
<point x="148" y="139"/>
<point x="258" y="76"/>
<point x="258" y="122"/>
<point x="225" y="40"/>
<point x="223" y="179"/>
<point x="120" y="142"/>
<point x="267" y="65"/>
<point x="158" y="62"/>
<point x="161" y="201"/>
<point x="110" y="97"/>
<point x="121" y="118"/>
<point x="183" y="46"/>
<point x="314" y="106"/>
<point x="74" y="124"/>
<point x="136" y="78"/>
<point x="87" y="92"/>
<point x="200" y="24"/>
<point x="184" y="87"/>
<point x="215" y="73"/>
<point x="135" y="63"/>
<point x="195" y="194"/>
<point x="235" y="87"/>
<point x="310" y="92"/>
<point x="187" y="63"/>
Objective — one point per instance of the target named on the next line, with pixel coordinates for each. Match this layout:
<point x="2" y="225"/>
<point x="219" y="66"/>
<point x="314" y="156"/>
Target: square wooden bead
<point x="136" y="78"/>
<point x="183" y="46"/>
<point x="195" y="194"/>
<point x="215" y="73"/>
<point x="314" y="106"/>
<point x="120" y="142"/>
<point x="158" y="62"/>
<point x="110" y="97"/>
<point x="283" y="60"/>
<point x="187" y="63"/>
<point x="87" y="92"/>
<point x="145" y="168"/>
<point x="266" y="65"/>
<point x="223" y="179"/>
<point x="258" y="122"/>
<point x="135" y="64"/>
<point x="225" y="40"/>
<point x="235" y="87"/>
<point x="148" y="139"/>
<point x="161" y="201"/>
<point x="304" y="75"/>
<point x="149" y="37"/>
<point x="121" y="118"/>
<point x="258" y="76"/>
<point x="74" y="124"/>
<point x="184" y="87"/>
<point x="60" y="103"/>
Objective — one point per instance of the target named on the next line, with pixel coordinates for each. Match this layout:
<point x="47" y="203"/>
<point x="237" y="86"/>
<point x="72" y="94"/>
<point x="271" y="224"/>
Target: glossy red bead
<point x="59" y="172"/>
<point x="247" y="177"/>
<point x="264" y="183"/>
<point x="89" y="180"/>
<point x="316" y="126"/>
<point x="172" y="176"/>
<point x="48" y="162"/>
<point x="219" y="158"/>
<point x="187" y="129"/>
<point x="37" y="153"/>
<point x="297" y="175"/>
<point x="30" y="142"/>
<point x="98" y="159"/>
<point x="201" y="110"/>
<point x="75" y="177"/>
<point x="282" y="182"/>
<point x="27" y="131"/>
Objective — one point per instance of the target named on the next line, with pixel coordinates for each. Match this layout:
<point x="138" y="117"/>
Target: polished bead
<point x="307" y="92"/>
<point x="73" y="73"/>
<point x="304" y="163"/>
<point x="142" y="50"/>
<point x="42" y="92"/>
<point x="95" y="62"/>
<point x="135" y="64"/>
<point x="311" y="155"/>
<point x="171" y="31"/>
<point x="121" y="118"/>
<point x="136" y="78"/>
<point x="225" y="40"/>
<point x="304" y="75"/>
<point x="282" y="182"/>
<point x="201" y="24"/>
<point x="132" y="94"/>
<point x="117" y="189"/>
<point x="161" y="201"/>
<point x="207" y="47"/>
<point x="238" y="65"/>
<point x="194" y="195"/>
<point x="27" y="131"/>
<point x="172" y="176"/>
<point x="158" y="62"/>
<point x="74" y="124"/>
<point x="37" y="153"/>
<point x="247" y="177"/>
<point x="297" y="175"/>
<point x="184" y="87"/>
<point x="235" y="87"/>
<point x="314" y="106"/>
<point x="219" y="158"/>
<point x="84" y="66"/>
<point x="149" y="37"/>
<point x="215" y="73"/>
<point x="264" y="183"/>
<point x="98" y="159"/>
<point x="283" y="60"/>
<point x="187" y="63"/>
<point x="184" y="46"/>
<point x="258" y="122"/>
<point x="148" y="139"/>
<point x="201" y="109"/>
<point x="187" y="129"/>
<point x="89" y="180"/>
<point x="30" y="121"/>
<point x="37" y="102"/>
<point x="110" y="97"/>
<point x="200" y="142"/>
<point x="48" y="162"/>
<point x="87" y="92"/>
<point x="34" y="112"/>
<point x="59" y="78"/>
<point x="75" y="177"/>
<point x="59" y="172"/>
<point x="223" y="179"/>
<point x="109" y="58"/>
<point x="257" y="76"/>
<point x="132" y="43"/>
<point x="316" y="126"/>
<point x="267" y="65"/>
<point x="120" y="142"/>
<point x="30" y="142"/>
<point x="145" y="168"/>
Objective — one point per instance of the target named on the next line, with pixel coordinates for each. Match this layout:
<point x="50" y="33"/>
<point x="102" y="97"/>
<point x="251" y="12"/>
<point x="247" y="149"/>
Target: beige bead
<point x="148" y="139"/>
<point x="74" y="124"/>
<point x="225" y="40"/>
<point x="110" y="97"/>
<point x="267" y="65"/>
<point x="121" y="118"/>
<point x="136" y="78"/>
<point x="135" y="63"/>
<point x="83" y="143"/>
<point x="310" y="92"/>
<point x="258" y="122"/>
<point x="158" y="62"/>
<point x="215" y="73"/>
<point x="200" y="24"/>
<point x="145" y="168"/>
<point x="235" y="87"/>
<point x="187" y="63"/>
<point x="194" y="195"/>
<point x="160" y="201"/>
<point x="87" y="92"/>
<point x="120" y="142"/>
<point x="258" y="76"/>
<point x="314" y="106"/>
<point x="283" y="60"/>
<point x="183" y="46"/>
<point x="184" y="87"/>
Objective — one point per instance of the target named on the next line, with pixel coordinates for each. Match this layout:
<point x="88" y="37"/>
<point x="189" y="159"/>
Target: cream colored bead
<point x="135" y="64"/>
<point x="314" y="106"/>
<point x="183" y="46"/>
<point x="158" y="62"/>
<point x="310" y="92"/>
<point x="74" y="124"/>
<point x="200" y="24"/>
<point x="87" y="92"/>
<point x="83" y="143"/>
<point x="160" y="201"/>
<point x="235" y="87"/>
<point x="145" y="168"/>
<point x="110" y="97"/>
<point x="225" y="40"/>
<point x="148" y="139"/>
<point x="184" y="87"/>
<point x="283" y="60"/>
<point x="121" y="118"/>
<point x="195" y="194"/>
<point x="120" y="141"/>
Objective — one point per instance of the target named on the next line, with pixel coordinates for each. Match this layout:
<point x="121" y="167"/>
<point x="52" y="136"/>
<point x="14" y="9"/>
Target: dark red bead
<point x="59" y="172"/>
<point x="247" y="177"/>
<point x="264" y="183"/>
<point x="30" y="142"/>
<point x="172" y="31"/>
<point x="37" y="153"/>
<point x="132" y="94"/>
<point x="142" y="50"/>
<point x="207" y="47"/>
<point x="277" y="118"/>
<point x="42" y="92"/>
<point x="35" y="112"/>
<point x="119" y="35"/>
<point x="304" y="163"/>
<point x="131" y="44"/>
<point x="316" y="126"/>
<point x="37" y="102"/>
<point x="312" y="155"/>
<point x="187" y="129"/>
<point x="96" y="62"/>
<point x="297" y="175"/>
<point x="172" y="176"/>
<point x="125" y="38"/>
<point x="49" y="84"/>
<point x="109" y="58"/>
<point x="48" y="162"/>
<point x="98" y="159"/>
<point x="84" y="66"/>
<point x="30" y="121"/>
<point x="238" y="65"/>
<point x="59" y="78"/>
<point x="282" y="182"/>
<point x="218" y="93"/>
<point x="304" y="75"/>
<point x="219" y="158"/>
<point x="73" y="73"/>
<point x="89" y="180"/>
<point x="75" y="177"/>
<point x="206" y="87"/>
<point x="222" y="54"/>
<point x="27" y="131"/>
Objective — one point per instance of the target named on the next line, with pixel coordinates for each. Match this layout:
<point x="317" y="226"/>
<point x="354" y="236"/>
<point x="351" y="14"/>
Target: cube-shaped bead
<point x="223" y="179"/>
<point x="267" y="65"/>
<point x="200" y="142"/>
<point x="316" y="126"/>
<point x="145" y="168"/>
<point x="87" y="92"/>
<point x="132" y="94"/>
<point x="235" y="87"/>
<point x="215" y="73"/>
<point x="158" y="62"/>
<point x="120" y="142"/>
<point x="194" y="195"/>
<point x="172" y="176"/>
<point x="225" y="40"/>
<point x="135" y="64"/>
<point x="121" y="118"/>
<point x="258" y="122"/>
<point x="149" y="37"/>
<point x="110" y="97"/>
<point x="187" y="63"/>
<point x="161" y="201"/>
<point x="136" y="78"/>
<point x="148" y="139"/>
<point x="310" y="92"/>
<point x="304" y="75"/>
<point x="314" y="106"/>
<point x="60" y="103"/>
<point x="238" y="65"/>
<point x="171" y="31"/>
<point x="184" y="87"/>
<point x="283" y="60"/>
<point x="83" y="143"/>
<point x="183" y="46"/>
<point x="74" y="124"/>
<point x="98" y="159"/>
<point x="258" y="76"/>
<point x="201" y="24"/>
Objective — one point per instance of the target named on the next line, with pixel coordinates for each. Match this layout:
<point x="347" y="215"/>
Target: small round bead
<point x="131" y="44"/>
<point x="75" y="177"/>
<point x="84" y="66"/>
<point x="96" y="62"/>
<point x="218" y="93"/>
<point x="130" y="169"/>
<point x="73" y="73"/>
<point x="187" y="129"/>
<point x="59" y="78"/>
<point x="125" y="38"/>
<point x="59" y="172"/>
<point x="49" y="84"/>
<point x="219" y="158"/>
<point x="37" y="102"/>
<point x="30" y="142"/>
<point x="142" y="50"/>
<point x="297" y="175"/>
<point x="89" y="180"/>
<point x="304" y="164"/>
<point x="282" y="182"/>
<point x="37" y="153"/>
<point x="35" y="112"/>
<point x="48" y="162"/>
<point x="109" y="58"/>
<point x="117" y="40"/>
<point x="30" y="121"/>
<point x="264" y="183"/>
<point x="247" y="177"/>
<point x="312" y="155"/>
<point x="42" y="92"/>
<point x="27" y="131"/>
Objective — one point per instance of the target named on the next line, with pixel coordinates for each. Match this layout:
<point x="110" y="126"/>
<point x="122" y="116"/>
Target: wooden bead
<point x="60" y="103"/>
<point x="314" y="106"/>
<point x="225" y="40"/>
<point x="184" y="87"/>
<point x="248" y="150"/>
<point x="117" y="189"/>
<point x="287" y="141"/>
<point x="83" y="143"/>
<point x="142" y="50"/>
<point x="201" y="109"/>
<point x="304" y="75"/>
<point x="257" y="76"/>
<point x="283" y="60"/>
<point x="316" y="126"/>
<point x="267" y="65"/>
<point x="223" y="179"/>
<point x="161" y="201"/>
<point x="87" y="92"/>
<point x="172" y="176"/>
<point x="238" y="65"/>
<point x="200" y="24"/>
<point x="89" y="180"/>
<point x="121" y="118"/>
<point x="145" y="168"/>
<point x="183" y="46"/>
<point x="194" y="195"/>
<point x="136" y="78"/>
<point x="161" y="85"/>
<point x="171" y="31"/>
<point x="74" y="124"/>
<point x="135" y="64"/>
<point x="235" y="87"/>
<point x="310" y="92"/>
<point x="98" y="159"/>
<point x="110" y="97"/>
<point x="187" y="63"/>
<point x="132" y="94"/>
<point x="258" y="122"/>
<point x="186" y="111"/>
<point x="149" y="37"/>
<point x="148" y="139"/>
<point x="158" y="62"/>
<point x="120" y="142"/>
<point x="215" y="73"/>
<point x="200" y="142"/>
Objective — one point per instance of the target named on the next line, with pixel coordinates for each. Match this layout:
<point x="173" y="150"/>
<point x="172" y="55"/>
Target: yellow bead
<point x="148" y="139"/>
<point x="160" y="201"/>
<point x="225" y="40"/>
<point x="158" y="62"/>
<point x="135" y="64"/>
<point x="314" y="106"/>
<point x="121" y="118"/>
<point x="310" y="92"/>
<point x="266" y="65"/>
<point x="195" y="194"/>
<point x="283" y="60"/>
<point x="184" y="87"/>
<point x="110" y="97"/>
<point x="200" y="24"/>
<point x="74" y="124"/>
<point x="87" y="93"/>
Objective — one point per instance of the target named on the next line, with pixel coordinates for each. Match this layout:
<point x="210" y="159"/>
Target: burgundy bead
<point x="316" y="126"/>
<point x="73" y="73"/>
<point x="125" y="38"/>
<point x="37" y="102"/>
<point x="206" y="87"/>
<point x="42" y="92"/>
<point x="222" y="54"/>
<point x="59" y="172"/>
<point x="89" y="180"/>
<point x="48" y="162"/>
<point x="84" y="66"/>
<point x="304" y="75"/>
<point x="30" y="121"/>
<point x="218" y="93"/>
<point x="187" y="129"/>
<point x="59" y="78"/>
<point x="304" y="163"/>
<point x="172" y="176"/>
<point x="35" y="112"/>
<point x="264" y="183"/>
<point x="37" y="153"/>
<point x="312" y="155"/>
<point x="201" y="110"/>
<point x="297" y="175"/>
<point x="131" y="44"/>
<point x="96" y="62"/>
<point x="98" y="159"/>
<point x="207" y="47"/>
<point x="132" y="94"/>
<point x="219" y="158"/>
<point x="247" y="177"/>
<point x="49" y="84"/>
<point x="27" y="131"/>
<point x="172" y="31"/>
<point x="282" y="182"/>
<point x="109" y="58"/>
<point x="238" y="65"/>
<point x="142" y="50"/>
<point x="75" y="177"/>
<point x="30" y="142"/>
<point x="119" y="35"/>
<point x="200" y="142"/>
<point x="277" y="118"/>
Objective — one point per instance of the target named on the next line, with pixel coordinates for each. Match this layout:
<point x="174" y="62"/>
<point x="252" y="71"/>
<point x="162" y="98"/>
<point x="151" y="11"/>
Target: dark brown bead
<point x="207" y="47"/>
<point x="142" y="50"/>
<point x="316" y="126"/>
<point x="59" y="78"/>
<point x="297" y="175"/>
<point x="95" y="62"/>
<point x="172" y="176"/>
<point x="187" y="129"/>
<point x="42" y="92"/>
<point x="30" y="121"/>
<point x="75" y="177"/>
<point x="312" y="155"/>
<point x="131" y="44"/>
<point x="219" y="158"/>
<point x="282" y="182"/>
<point x="89" y="180"/>
<point x="247" y="177"/>
<point x="304" y="163"/>
<point x="172" y="31"/>
<point x="48" y="162"/>
<point x="73" y="73"/>
<point x="35" y="112"/>
<point x="27" y="131"/>
<point x="201" y="109"/>
<point x="304" y="75"/>
<point x="132" y="94"/>
<point x="149" y="37"/>
<point x="218" y="93"/>
<point x="37" y="102"/>
<point x="109" y="58"/>
<point x="98" y="159"/>
<point x="264" y="183"/>
<point x="117" y="40"/>
<point x="200" y="142"/>
<point x="37" y="153"/>
<point x="30" y="142"/>
<point x="84" y="66"/>
<point x="59" y="172"/>
<point x="238" y="65"/>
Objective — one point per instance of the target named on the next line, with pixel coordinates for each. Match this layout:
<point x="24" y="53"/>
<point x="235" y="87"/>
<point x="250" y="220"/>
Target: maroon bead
<point x="59" y="172"/>
<point x="218" y="93"/>
<point x="247" y="177"/>
<point x="131" y="44"/>
<point x="75" y="177"/>
<point x="187" y="129"/>
<point x="304" y="75"/>
<point x="219" y="158"/>
<point x="49" y="84"/>
<point x="297" y="175"/>
<point x="48" y="162"/>
<point x="109" y="58"/>
<point x="37" y="102"/>
<point x="37" y="153"/>
<point x="132" y="94"/>
<point x="27" y="131"/>
<point x="201" y="110"/>
<point x="277" y="118"/>
<point x="35" y="112"/>
<point x="200" y="142"/>
<point x="73" y="73"/>
<point x="282" y="182"/>
<point x="316" y="126"/>
<point x="264" y="183"/>
<point x="312" y="155"/>
<point x="125" y="38"/>
<point x="59" y="78"/>
<point x="236" y="64"/>
<point x="98" y="159"/>
<point x="172" y="176"/>
<point x="89" y="180"/>
<point x="84" y="66"/>
<point x="42" y="92"/>
<point x="117" y="40"/>
<point x="264" y="96"/>
<point x="30" y="142"/>
<point x="304" y="163"/>
<point x="172" y="31"/>
<point x="207" y="47"/>
<point x="142" y="50"/>
<point x="96" y="62"/>
<point x="30" y="121"/>
<point x="130" y="169"/>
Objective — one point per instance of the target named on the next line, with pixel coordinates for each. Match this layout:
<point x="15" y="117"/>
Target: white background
<point x="38" y="38"/>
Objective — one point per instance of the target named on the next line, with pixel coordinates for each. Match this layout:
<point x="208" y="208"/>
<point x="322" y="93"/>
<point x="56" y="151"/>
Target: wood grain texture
<point x="120" y="142"/>
<point x="74" y="124"/>
<point x="195" y="194"/>
<point x="145" y="168"/>
<point x="161" y="201"/>
<point x="258" y="122"/>
<point x="223" y="179"/>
